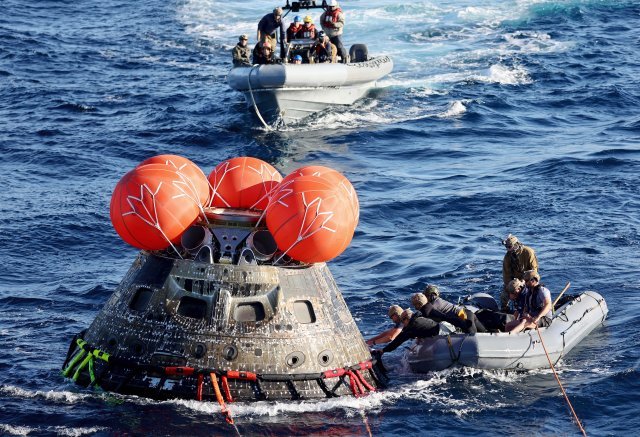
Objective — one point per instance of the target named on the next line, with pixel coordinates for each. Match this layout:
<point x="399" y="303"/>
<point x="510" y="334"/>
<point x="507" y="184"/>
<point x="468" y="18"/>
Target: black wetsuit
<point x="418" y="327"/>
<point x="470" y="326"/>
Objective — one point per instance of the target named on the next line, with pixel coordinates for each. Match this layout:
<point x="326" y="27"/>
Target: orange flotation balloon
<point x="243" y="182"/>
<point x="149" y="208"/>
<point x="198" y="181"/>
<point x="310" y="219"/>
<point x="332" y="176"/>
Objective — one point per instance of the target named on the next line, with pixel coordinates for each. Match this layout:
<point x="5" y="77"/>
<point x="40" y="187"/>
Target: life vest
<point x="533" y="305"/>
<point x="307" y="32"/>
<point x="331" y="17"/>
<point x="293" y="31"/>
<point x="323" y="53"/>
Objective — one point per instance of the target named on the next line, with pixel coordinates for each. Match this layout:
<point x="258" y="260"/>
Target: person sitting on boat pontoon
<point x="415" y="326"/>
<point x="263" y="54"/>
<point x="241" y="52"/>
<point x="308" y="29"/>
<point x="385" y="337"/>
<point x="323" y="50"/>
<point x="332" y="21"/>
<point x="537" y="304"/>
<point x="267" y="28"/>
<point x="518" y="259"/>
<point x="294" y="28"/>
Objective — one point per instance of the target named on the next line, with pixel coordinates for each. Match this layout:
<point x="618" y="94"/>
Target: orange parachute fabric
<point x="150" y="209"/>
<point x="243" y="182"/>
<point x="310" y="219"/>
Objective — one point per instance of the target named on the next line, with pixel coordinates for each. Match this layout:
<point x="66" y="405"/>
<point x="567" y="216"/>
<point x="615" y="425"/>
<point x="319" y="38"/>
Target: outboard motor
<point x="482" y="301"/>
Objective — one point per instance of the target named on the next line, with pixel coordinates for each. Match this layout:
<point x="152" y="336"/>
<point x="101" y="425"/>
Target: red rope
<point x="199" y="390"/>
<point x="560" y="384"/>
<point x="364" y="381"/>
<point x="225" y="388"/>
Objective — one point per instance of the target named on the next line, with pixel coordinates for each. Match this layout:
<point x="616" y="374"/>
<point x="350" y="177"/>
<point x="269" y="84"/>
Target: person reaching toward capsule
<point x="415" y="326"/>
<point x="395" y="311"/>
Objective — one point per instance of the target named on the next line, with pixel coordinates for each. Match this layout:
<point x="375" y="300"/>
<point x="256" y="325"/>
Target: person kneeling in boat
<point x="415" y="326"/>
<point x="518" y="259"/>
<point x="241" y="52"/>
<point x="323" y="50"/>
<point x="516" y="291"/>
<point x="385" y="337"/>
<point x="263" y="54"/>
<point x="537" y="306"/>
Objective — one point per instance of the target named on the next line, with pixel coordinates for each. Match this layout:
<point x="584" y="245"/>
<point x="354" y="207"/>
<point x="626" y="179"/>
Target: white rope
<point x="255" y="107"/>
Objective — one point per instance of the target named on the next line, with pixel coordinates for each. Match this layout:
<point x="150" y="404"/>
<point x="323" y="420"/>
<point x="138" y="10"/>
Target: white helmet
<point x="333" y="3"/>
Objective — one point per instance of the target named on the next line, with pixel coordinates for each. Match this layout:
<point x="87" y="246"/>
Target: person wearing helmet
<point x="268" y="26"/>
<point x="332" y="22"/>
<point x="297" y="59"/>
<point x="537" y="304"/>
<point x="294" y="29"/>
<point x="518" y="259"/>
<point x="323" y="50"/>
<point x="241" y="52"/>
<point x="263" y="54"/>
<point x="415" y="326"/>
<point x="308" y="29"/>
<point x="385" y="337"/>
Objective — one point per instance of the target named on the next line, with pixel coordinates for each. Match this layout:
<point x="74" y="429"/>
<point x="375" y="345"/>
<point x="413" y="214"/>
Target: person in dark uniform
<point x="414" y="327"/>
<point x="268" y="26"/>
<point x="394" y="314"/>
<point x="435" y="302"/>
<point x="241" y="52"/>
<point x="263" y="54"/>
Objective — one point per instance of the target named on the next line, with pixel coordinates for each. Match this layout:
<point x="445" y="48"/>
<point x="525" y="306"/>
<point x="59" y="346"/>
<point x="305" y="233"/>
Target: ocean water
<point x="499" y="117"/>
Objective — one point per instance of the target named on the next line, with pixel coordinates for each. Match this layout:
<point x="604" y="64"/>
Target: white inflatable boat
<point x="289" y="92"/>
<point x="571" y="323"/>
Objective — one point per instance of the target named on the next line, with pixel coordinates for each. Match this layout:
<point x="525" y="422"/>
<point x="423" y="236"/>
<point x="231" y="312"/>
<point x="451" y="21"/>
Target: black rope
<point x="295" y="395"/>
<point x="325" y="389"/>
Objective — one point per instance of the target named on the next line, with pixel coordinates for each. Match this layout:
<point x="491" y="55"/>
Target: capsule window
<point x="192" y="307"/>
<point x="303" y="310"/>
<point x="141" y="299"/>
<point x="249" y="312"/>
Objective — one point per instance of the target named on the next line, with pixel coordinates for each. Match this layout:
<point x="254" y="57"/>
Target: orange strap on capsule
<point x="225" y="388"/>
<point x="223" y="407"/>
<point x="247" y="376"/>
<point x="199" y="391"/>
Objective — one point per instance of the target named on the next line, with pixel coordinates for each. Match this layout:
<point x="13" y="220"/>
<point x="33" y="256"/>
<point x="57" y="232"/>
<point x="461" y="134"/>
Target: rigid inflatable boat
<point x="572" y="322"/>
<point x="288" y="93"/>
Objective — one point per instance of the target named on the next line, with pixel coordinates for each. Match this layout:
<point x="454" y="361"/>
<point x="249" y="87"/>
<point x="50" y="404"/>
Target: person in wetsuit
<point x="384" y="337"/>
<point x="415" y="326"/>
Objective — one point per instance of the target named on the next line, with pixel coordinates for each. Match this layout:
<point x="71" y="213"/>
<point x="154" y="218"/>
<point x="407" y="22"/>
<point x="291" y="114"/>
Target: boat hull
<point x="571" y="324"/>
<point x="290" y="93"/>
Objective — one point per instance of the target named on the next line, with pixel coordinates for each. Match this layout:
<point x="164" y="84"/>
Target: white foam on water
<point x="455" y="109"/>
<point x="57" y="430"/>
<point x="66" y="397"/>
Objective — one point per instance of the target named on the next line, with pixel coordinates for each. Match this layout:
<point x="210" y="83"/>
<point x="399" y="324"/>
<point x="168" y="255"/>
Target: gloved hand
<point x="462" y="314"/>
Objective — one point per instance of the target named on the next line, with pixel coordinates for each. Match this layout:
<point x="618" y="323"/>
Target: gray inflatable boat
<point x="288" y="93"/>
<point x="571" y="323"/>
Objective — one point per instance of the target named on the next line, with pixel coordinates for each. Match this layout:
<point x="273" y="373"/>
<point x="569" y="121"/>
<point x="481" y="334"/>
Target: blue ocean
<point x="499" y="117"/>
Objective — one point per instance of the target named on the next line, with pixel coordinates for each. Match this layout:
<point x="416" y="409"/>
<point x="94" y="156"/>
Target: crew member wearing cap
<point x="517" y="295"/>
<point x="323" y="50"/>
<point x="332" y="22"/>
<point x="263" y="54"/>
<point x="294" y="29"/>
<point x="537" y="303"/>
<point x="385" y="337"/>
<point x="241" y="52"/>
<point x="267" y="28"/>
<point x="518" y="259"/>
<point x="308" y="29"/>
<point x="415" y="326"/>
